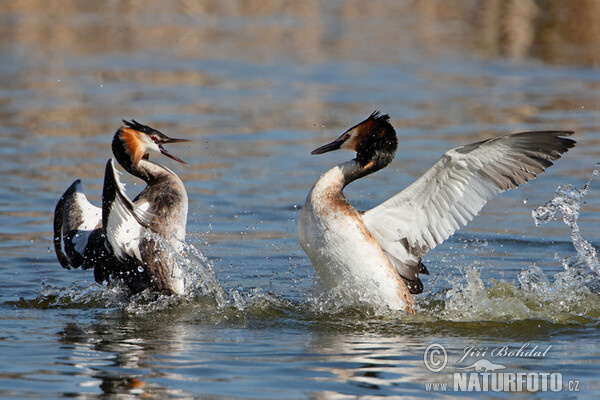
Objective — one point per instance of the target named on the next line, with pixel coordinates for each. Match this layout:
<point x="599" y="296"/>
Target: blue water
<point x="257" y="85"/>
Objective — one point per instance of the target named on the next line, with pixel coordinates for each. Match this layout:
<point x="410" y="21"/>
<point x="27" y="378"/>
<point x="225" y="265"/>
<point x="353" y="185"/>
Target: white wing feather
<point x="91" y="218"/>
<point x="126" y="221"/>
<point x="455" y="189"/>
<point x="75" y="218"/>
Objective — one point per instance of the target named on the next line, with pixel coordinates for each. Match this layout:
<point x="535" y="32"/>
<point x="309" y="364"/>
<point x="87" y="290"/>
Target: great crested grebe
<point x="378" y="253"/>
<point x="128" y="239"/>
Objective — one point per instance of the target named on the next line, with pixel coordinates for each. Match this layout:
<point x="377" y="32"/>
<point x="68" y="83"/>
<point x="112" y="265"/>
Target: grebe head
<point x="372" y="138"/>
<point x="135" y="142"/>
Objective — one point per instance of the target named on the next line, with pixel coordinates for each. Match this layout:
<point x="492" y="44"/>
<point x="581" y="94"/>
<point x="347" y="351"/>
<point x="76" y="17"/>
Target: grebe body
<point x="135" y="241"/>
<point x="376" y="256"/>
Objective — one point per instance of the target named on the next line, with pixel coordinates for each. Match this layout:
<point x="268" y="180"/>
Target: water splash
<point x="534" y="297"/>
<point x="199" y="276"/>
<point x="77" y="295"/>
<point x="351" y="297"/>
<point x="203" y="295"/>
<point x="190" y="266"/>
<point x="470" y="300"/>
<point x="572" y="296"/>
<point x="584" y="266"/>
<point x="201" y="285"/>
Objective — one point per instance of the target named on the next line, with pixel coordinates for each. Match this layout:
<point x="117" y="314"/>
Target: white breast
<point x="344" y="253"/>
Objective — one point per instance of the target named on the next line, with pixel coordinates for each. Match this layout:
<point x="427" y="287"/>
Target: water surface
<point x="257" y="85"/>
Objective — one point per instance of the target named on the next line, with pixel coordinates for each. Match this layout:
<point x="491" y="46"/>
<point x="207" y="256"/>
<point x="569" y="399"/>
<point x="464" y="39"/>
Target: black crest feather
<point x="133" y="124"/>
<point x="375" y="116"/>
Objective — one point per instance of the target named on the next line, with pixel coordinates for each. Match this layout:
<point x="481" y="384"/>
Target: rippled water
<point x="257" y="85"/>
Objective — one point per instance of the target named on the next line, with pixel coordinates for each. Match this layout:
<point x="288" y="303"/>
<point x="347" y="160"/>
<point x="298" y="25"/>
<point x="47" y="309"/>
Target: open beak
<point x="335" y="145"/>
<point x="166" y="153"/>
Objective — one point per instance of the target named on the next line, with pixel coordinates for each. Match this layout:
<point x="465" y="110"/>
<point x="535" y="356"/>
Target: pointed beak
<point x="335" y="145"/>
<point x="166" y="153"/>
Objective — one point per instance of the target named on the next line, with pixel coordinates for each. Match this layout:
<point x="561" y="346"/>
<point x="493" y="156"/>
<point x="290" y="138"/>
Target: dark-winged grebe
<point x="130" y="240"/>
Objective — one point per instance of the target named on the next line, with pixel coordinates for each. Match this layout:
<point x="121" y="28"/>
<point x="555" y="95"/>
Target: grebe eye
<point x="347" y="136"/>
<point x="154" y="139"/>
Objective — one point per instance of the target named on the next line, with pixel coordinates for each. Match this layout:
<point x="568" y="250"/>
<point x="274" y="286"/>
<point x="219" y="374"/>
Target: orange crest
<point x="133" y="144"/>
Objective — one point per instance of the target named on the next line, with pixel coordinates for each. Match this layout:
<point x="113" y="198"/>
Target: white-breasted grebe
<point x="379" y="252"/>
<point x="126" y="239"/>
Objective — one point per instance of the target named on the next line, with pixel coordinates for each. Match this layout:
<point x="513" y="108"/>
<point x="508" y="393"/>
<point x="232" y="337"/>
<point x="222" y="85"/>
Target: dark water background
<point x="257" y="85"/>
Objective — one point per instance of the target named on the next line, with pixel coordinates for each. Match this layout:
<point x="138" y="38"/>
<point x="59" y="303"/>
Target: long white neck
<point x="338" y="177"/>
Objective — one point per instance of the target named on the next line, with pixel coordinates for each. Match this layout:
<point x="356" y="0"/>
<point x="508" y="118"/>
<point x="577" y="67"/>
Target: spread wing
<point x="75" y="218"/>
<point x="123" y="221"/>
<point x="455" y="189"/>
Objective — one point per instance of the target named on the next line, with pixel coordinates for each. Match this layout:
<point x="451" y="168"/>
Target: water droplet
<point x="140" y="269"/>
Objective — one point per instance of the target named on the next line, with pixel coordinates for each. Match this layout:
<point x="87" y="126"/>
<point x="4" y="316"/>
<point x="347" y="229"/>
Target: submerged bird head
<point x="135" y="142"/>
<point x="373" y="139"/>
